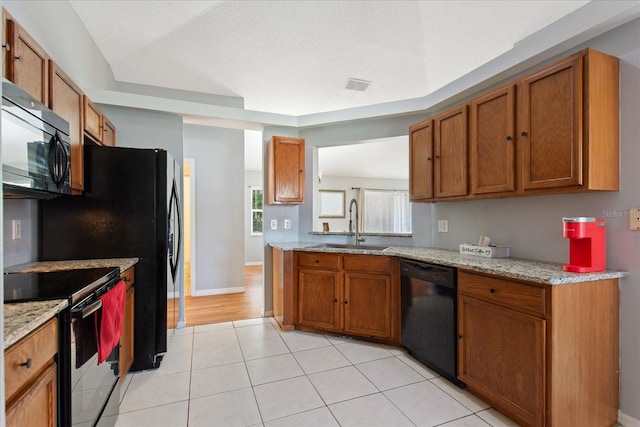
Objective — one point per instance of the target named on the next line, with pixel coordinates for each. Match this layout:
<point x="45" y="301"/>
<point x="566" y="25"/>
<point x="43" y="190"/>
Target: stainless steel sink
<point x="353" y="246"/>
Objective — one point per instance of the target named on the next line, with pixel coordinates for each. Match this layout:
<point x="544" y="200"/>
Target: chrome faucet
<point x="359" y="238"/>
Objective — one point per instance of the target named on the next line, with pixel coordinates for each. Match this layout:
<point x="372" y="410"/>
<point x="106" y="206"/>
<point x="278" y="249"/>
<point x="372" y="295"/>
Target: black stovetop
<point x="73" y="285"/>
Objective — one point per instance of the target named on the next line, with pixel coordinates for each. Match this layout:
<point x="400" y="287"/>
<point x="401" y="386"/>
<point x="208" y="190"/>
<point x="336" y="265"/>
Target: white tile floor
<point x="249" y="373"/>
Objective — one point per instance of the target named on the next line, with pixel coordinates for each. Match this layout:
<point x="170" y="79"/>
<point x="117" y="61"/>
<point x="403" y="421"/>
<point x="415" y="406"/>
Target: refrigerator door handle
<point x="174" y="206"/>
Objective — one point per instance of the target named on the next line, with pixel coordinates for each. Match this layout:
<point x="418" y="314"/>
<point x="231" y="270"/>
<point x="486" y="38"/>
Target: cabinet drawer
<point x="368" y="263"/>
<point x="128" y="276"/>
<point x="517" y="296"/>
<point x="318" y="260"/>
<point x="39" y="347"/>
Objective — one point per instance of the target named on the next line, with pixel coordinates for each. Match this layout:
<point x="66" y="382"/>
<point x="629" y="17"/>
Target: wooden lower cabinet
<point x="544" y="355"/>
<point x="320" y="299"/>
<point x="36" y="406"/>
<point x="127" y="338"/>
<point x="352" y="294"/>
<point x="502" y="356"/>
<point x="31" y="378"/>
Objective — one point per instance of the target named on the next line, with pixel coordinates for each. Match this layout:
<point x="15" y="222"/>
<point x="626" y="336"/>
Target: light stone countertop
<point x="514" y="268"/>
<point x="22" y="318"/>
<point x="48" y="266"/>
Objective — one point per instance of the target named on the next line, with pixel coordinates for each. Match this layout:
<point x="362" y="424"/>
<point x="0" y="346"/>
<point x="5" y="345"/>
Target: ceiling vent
<point x="357" y="84"/>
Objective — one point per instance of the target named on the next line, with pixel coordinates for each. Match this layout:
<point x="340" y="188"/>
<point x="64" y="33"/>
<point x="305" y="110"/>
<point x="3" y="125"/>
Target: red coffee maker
<point x="587" y="245"/>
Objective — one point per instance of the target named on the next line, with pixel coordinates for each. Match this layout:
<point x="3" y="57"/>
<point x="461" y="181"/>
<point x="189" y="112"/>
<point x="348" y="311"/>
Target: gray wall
<point x="253" y="249"/>
<point x="219" y="182"/>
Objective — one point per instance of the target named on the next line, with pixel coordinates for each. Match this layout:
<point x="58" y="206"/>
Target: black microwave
<point x="36" y="152"/>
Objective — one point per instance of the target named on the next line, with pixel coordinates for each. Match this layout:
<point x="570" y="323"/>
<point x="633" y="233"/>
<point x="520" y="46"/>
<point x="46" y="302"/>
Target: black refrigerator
<point x="130" y="208"/>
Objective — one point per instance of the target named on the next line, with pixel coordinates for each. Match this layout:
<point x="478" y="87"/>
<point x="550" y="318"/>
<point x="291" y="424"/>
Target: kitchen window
<point x="256" y="211"/>
<point x="386" y="211"/>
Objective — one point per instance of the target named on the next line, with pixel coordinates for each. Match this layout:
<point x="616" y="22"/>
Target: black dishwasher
<point x="429" y="316"/>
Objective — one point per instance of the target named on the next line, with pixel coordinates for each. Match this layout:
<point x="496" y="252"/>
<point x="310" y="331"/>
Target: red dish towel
<point x="109" y="321"/>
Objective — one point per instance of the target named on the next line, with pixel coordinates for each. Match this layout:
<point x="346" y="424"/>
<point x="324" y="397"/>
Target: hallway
<point x="224" y="308"/>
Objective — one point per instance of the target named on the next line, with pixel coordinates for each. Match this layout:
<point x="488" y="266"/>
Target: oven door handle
<point x="86" y="311"/>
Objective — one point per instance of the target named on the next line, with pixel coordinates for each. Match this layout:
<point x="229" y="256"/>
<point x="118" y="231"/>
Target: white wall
<point x="220" y="207"/>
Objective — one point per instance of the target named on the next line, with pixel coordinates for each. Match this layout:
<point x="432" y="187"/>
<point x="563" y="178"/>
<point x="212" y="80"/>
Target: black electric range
<point x="74" y="285"/>
<point x="88" y="391"/>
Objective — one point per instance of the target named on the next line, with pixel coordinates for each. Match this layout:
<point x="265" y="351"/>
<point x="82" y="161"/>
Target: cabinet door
<point x="108" y="132"/>
<point x="492" y="142"/>
<point x="65" y="99"/>
<point x="501" y="357"/>
<point x="367" y="304"/>
<point x="126" y="341"/>
<point x="318" y="299"/>
<point x="36" y="406"/>
<point x="92" y="120"/>
<point x="450" y="147"/>
<point x="551" y="126"/>
<point x="28" y="63"/>
<point x="286" y="170"/>
<point x="421" y="161"/>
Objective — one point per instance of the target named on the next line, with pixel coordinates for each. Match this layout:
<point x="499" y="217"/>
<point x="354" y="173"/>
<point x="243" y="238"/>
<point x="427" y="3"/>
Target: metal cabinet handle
<point x="27" y="364"/>
<point x="523" y="133"/>
<point x="335" y="300"/>
<point x="7" y="46"/>
<point x="345" y="301"/>
<point x="428" y="158"/>
<point x="493" y="291"/>
<point x="509" y="138"/>
<point x="19" y="58"/>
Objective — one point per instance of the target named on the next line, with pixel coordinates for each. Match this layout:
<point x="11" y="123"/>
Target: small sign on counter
<point x="484" y="251"/>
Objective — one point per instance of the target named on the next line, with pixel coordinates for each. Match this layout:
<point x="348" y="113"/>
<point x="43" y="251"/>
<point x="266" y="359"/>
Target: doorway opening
<point x="189" y="224"/>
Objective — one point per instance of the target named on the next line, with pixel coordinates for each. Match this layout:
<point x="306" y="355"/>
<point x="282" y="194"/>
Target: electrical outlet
<point x="634" y="219"/>
<point x="274" y="224"/>
<point x="443" y="226"/>
<point x="16" y="229"/>
<point x="287" y="224"/>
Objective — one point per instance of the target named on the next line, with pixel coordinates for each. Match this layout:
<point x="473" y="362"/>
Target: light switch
<point x="16" y="229"/>
<point x="274" y="224"/>
<point x="287" y="224"/>
<point x="634" y="219"/>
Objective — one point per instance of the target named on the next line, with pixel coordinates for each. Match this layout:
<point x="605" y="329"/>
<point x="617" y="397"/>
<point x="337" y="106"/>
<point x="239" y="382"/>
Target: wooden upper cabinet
<point x="65" y="99"/>
<point x="551" y="126"/>
<point x="26" y="61"/>
<point x="285" y="170"/>
<point x="569" y="124"/>
<point x="450" y="150"/>
<point x="552" y="131"/>
<point x="492" y="142"/>
<point x="108" y="132"/>
<point x="92" y="120"/>
<point x="421" y="161"/>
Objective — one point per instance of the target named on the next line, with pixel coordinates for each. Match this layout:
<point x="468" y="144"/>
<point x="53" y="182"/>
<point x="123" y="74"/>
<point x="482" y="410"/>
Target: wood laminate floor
<point x="224" y="308"/>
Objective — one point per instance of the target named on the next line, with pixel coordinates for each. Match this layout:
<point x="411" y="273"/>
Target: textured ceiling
<point x="294" y="57"/>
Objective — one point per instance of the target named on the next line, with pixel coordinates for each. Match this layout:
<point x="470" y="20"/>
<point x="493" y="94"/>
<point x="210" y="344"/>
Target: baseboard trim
<point x="247" y="264"/>
<point x="267" y="313"/>
<point x="627" y="420"/>
<point x="220" y="291"/>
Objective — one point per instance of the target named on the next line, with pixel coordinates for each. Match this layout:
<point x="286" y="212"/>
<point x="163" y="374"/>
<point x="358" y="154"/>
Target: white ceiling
<point x="294" y="57"/>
